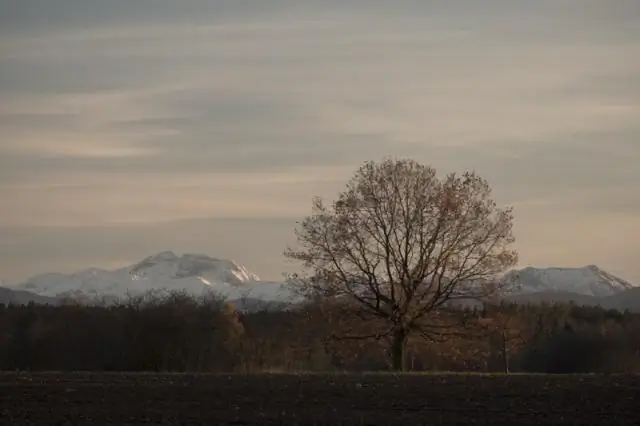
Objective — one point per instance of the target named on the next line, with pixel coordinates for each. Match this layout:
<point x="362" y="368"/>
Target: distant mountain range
<point x="192" y="273"/>
<point x="197" y="273"/>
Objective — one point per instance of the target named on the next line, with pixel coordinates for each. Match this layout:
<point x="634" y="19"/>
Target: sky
<point x="129" y="127"/>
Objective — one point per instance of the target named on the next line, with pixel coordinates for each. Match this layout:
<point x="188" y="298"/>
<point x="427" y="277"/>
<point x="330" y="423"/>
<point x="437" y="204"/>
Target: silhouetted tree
<point x="399" y="244"/>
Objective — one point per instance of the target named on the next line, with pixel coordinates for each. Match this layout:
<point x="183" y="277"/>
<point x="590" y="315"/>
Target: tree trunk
<point x="505" y="353"/>
<point x="398" y="345"/>
<point x="506" y="363"/>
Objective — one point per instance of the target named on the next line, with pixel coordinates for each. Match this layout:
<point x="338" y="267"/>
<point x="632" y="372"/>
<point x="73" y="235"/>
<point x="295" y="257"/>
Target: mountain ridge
<point x="197" y="273"/>
<point x="625" y="300"/>
<point x="23" y="297"/>
<point x="589" y="280"/>
<point x="164" y="271"/>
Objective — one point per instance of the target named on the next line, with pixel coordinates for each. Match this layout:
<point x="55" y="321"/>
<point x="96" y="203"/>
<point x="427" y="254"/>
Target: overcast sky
<point x="128" y="127"/>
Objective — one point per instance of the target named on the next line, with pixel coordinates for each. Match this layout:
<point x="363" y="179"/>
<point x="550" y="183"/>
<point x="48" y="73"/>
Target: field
<point x="376" y="399"/>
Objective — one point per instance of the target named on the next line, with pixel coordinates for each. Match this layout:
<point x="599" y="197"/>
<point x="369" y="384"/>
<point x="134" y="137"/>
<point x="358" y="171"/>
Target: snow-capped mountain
<point x="193" y="273"/>
<point x="205" y="268"/>
<point x="588" y="280"/>
<point x="197" y="273"/>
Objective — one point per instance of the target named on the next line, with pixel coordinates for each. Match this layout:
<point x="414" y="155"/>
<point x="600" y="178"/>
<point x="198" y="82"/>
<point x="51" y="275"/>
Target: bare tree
<point x="503" y="331"/>
<point x="399" y="244"/>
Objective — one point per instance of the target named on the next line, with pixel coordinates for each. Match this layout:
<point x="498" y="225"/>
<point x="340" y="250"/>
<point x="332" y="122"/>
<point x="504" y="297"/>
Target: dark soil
<point x="376" y="399"/>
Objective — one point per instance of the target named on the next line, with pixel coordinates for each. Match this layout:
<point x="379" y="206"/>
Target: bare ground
<point x="375" y="399"/>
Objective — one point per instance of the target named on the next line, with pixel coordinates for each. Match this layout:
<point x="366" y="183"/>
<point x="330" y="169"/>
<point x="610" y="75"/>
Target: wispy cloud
<point x="142" y="111"/>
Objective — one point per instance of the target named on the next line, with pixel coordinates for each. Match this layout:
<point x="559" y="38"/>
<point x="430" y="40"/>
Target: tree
<point x="504" y="332"/>
<point x="399" y="245"/>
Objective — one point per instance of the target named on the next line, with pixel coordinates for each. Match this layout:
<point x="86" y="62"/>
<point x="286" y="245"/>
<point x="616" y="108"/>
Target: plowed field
<point x="375" y="399"/>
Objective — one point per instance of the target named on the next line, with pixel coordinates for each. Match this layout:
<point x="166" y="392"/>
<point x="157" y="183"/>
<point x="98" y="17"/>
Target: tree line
<point x="182" y="333"/>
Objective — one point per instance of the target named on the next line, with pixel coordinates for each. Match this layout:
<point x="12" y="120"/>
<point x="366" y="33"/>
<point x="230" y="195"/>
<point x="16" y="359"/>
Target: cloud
<point x="143" y="111"/>
<point x="69" y="249"/>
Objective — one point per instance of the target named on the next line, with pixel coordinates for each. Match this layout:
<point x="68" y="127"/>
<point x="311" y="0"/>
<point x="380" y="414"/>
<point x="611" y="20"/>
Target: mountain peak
<point x="166" y="256"/>
<point x="587" y="280"/>
<point x="165" y="270"/>
<point x="203" y="266"/>
<point x="207" y="269"/>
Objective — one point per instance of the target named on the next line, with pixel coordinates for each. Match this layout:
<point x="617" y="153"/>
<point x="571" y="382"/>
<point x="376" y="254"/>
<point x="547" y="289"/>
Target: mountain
<point x="625" y="300"/>
<point x="588" y="280"/>
<point x="554" y="297"/>
<point x="192" y="273"/>
<point x="21" y="297"/>
<point x="628" y="299"/>
<point x="198" y="273"/>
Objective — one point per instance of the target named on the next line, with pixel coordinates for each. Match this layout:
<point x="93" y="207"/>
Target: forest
<point x="182" y="333"/>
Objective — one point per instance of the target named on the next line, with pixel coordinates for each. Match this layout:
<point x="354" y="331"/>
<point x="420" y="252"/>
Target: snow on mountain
<point x="197" y="274"/>
<point x="205" y="268"/>
<point x="193" y="273"/>
<point x="588" y="280"/>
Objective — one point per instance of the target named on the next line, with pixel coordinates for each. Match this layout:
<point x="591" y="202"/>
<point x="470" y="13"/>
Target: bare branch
<point x="399" y="245"/>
